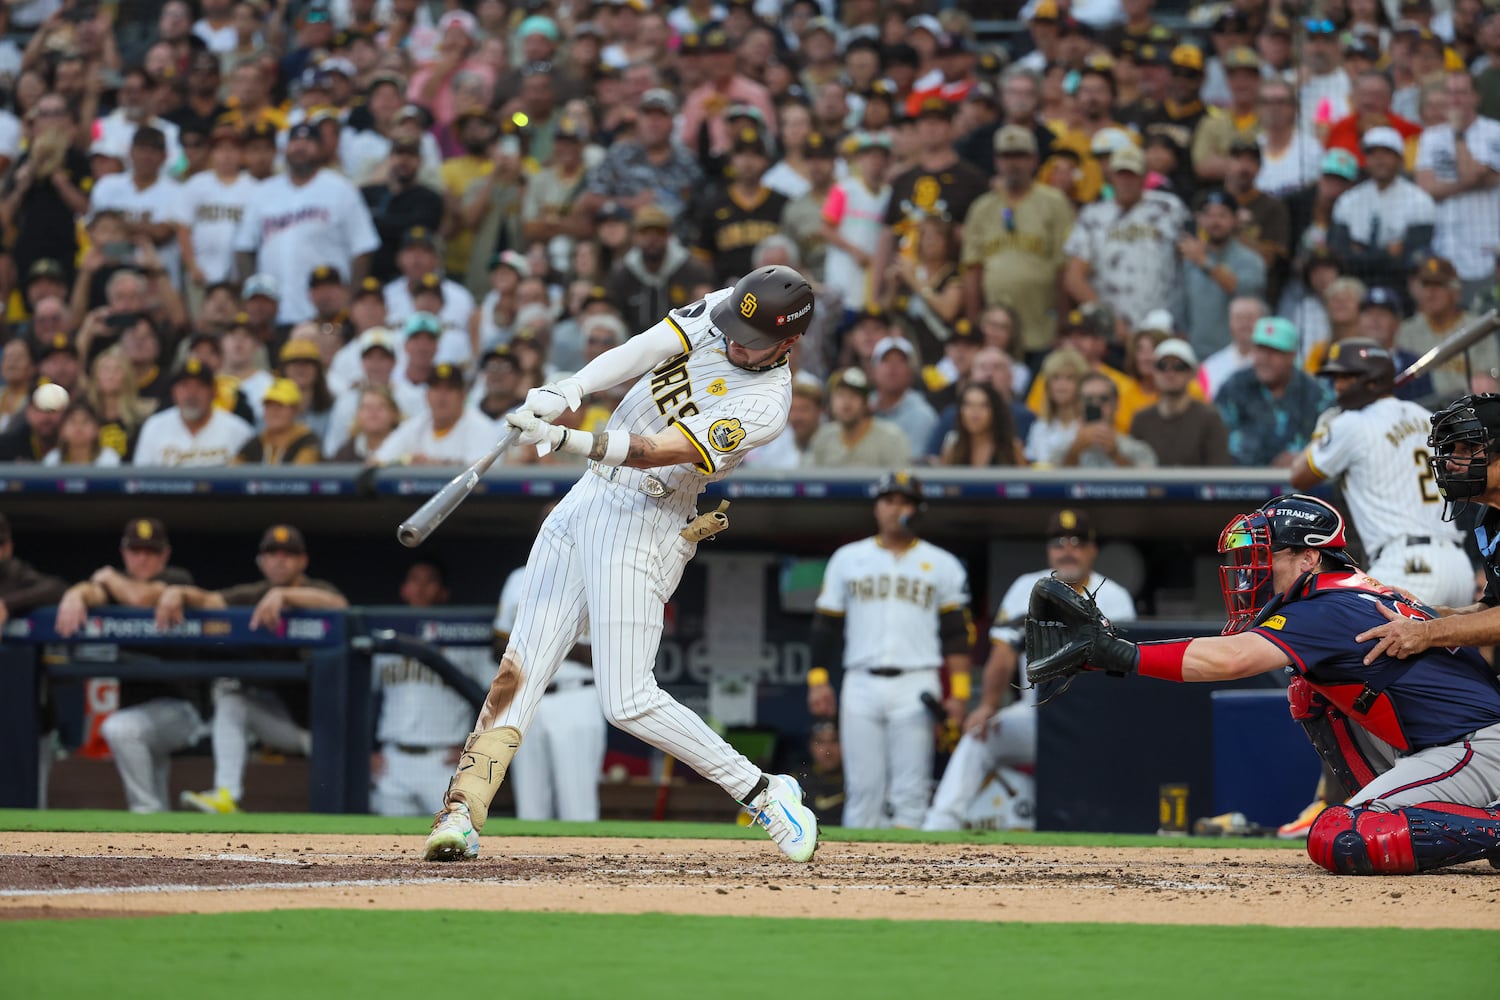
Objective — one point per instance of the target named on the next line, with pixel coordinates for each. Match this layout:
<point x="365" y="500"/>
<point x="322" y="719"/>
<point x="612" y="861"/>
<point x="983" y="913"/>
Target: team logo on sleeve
<point x="748" y="304"/>
<point x="726" y="435"/>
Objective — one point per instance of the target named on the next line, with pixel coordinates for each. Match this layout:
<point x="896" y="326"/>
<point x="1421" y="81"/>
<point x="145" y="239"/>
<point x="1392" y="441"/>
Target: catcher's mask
<point x="1292" y="521"/>
<point x="1463" y="434"/>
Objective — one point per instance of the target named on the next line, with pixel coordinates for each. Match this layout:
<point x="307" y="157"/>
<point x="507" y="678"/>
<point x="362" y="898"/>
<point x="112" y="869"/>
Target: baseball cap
<point x="1437" y="271"/>
<point x="1128" y="158"/>
<point x="1176" y="347"/>
<point x="889" y="344"/>
<point x="58" y="343"/>
<point x="377" y="338"/>
<point x="851" y="378"/>
<point x="194" y="369"/>
<point x="1068" y="523"/>
<point x="106" y="146"/>
<point x="408" y="145"/>
<point x="1045" y="10"/>
<point x="1157" y="321"/>
<point x="749" y="139"/>
<point x="145" y="533"/>
<point x="927" y="23"/>
<point x="1383" y="137"/>
<point x="1241" y="57"/>
<point x="1276" y="333"/>
<point x="446" y="374"/>
<point x="283" y="391"/>
<point x="538" y="25"/>
<point x="47" y="267"/>
<point x="817" y="146"/>
<point x="299" y="350"/>
<point x="303" y="130"/>
<point x="1216" y="196"/>
<point x="324" y="274"/>
<point x="512" y="260"/>
<point x="283" y="538"/>
<point x="1381" y="297"/>
<point x="1245" y="145"/>
<point x="369" y="285"/>
<point x="419" y="236"/>
<point x="652" y="217"/>
<point x="462" y="19"/>
<point x="1188" y="57"/>
<point x="1340" y="163"/>
<point x="429" y="282"/>
<point x="422" y="322"/>
<point x="499" y="352"/>
<point x="659" y="99"/>
<point x="934" y="107"/>
<point x="262" y="284"/>
<point x="1015" y="139"/>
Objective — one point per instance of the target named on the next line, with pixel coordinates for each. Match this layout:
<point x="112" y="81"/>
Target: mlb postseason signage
<point x="201" y="628"/>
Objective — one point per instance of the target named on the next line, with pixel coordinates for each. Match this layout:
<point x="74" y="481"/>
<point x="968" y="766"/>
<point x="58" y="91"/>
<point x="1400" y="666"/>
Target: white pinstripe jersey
<point x="724" y="411"/>
<point x="1381" y="451"/>
<point x="891" y="602"/>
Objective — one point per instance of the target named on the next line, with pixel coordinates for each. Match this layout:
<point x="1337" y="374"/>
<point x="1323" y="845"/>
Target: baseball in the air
<point x="50" y="396"/>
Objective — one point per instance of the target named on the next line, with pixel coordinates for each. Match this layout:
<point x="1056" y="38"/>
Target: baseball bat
<point x="1451" y="346"/>
<point x="415" y="529"/>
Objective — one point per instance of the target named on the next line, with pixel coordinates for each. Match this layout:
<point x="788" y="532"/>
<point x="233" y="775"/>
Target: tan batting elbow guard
<point x="481" y="769"/>
<point x="705" y="526"/>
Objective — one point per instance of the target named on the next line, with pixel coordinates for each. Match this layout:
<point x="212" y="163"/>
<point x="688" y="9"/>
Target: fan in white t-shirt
<point x="194" y="433"/>
<point x="449" y="433"/>
<point x="301" y="219"/>
<point x="212" y="205"/>
<point x="148" y="200"/>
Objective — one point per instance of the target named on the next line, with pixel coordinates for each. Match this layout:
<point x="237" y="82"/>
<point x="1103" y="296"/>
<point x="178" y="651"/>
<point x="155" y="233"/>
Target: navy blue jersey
<point x="1440" y="697"/>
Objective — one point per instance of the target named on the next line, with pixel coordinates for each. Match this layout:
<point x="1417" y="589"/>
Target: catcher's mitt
<point x="1066" y="635"/>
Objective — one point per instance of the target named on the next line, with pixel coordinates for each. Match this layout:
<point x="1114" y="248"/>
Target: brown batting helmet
<point x="767" y="306"/>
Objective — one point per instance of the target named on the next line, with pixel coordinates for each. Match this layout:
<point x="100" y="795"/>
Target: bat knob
<point x="409" y="535"/>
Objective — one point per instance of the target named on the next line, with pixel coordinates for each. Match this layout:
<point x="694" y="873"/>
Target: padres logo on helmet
<point x="747" y="305"/>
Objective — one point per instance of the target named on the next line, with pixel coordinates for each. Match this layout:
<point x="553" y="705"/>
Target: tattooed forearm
<point x="643" y="452"/>
<point x="596" y="453"/>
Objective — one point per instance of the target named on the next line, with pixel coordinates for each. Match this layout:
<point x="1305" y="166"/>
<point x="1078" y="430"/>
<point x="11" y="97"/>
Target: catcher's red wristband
<point x="1163" y="660"/>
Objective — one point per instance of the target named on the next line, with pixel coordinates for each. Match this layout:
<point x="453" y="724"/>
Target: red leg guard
<point x="1349" y="841"/>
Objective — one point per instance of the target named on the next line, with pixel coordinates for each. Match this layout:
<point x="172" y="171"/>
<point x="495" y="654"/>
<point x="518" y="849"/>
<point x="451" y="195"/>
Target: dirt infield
<point x="77" y="875"/>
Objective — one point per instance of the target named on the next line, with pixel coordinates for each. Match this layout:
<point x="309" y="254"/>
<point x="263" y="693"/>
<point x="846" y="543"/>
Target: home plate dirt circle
<point x="88" y="874"/>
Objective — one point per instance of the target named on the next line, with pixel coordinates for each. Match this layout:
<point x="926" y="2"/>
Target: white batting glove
<point x="552" y="400"/>
<point x="534" y="430"/>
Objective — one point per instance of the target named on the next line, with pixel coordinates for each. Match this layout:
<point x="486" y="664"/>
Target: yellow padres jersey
<point x="891" y="602"/>
<point x="724" y="411"/>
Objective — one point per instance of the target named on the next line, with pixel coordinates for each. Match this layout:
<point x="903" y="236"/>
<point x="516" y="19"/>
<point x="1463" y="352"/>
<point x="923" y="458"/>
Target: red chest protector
<point x="1366" y="703"/>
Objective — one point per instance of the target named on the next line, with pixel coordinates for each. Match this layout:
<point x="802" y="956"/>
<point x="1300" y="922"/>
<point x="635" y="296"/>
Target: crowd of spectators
<point x="361" y="230"/>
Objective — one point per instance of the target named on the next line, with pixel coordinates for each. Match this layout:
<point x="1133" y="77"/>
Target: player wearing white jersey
<point x="1378" y="444"/>
<point x="712" y="383"/>
<point x="422" y="721"/>
<point x="302" y="219"/>
<point x="1002" y="740"/>
<point x="557" y="775"/>
<point x="892" y="610"/>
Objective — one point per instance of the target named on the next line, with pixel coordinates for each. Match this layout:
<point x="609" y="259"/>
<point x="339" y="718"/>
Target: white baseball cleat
<point x="779" y="809"/>
<point x="453" y="837"/>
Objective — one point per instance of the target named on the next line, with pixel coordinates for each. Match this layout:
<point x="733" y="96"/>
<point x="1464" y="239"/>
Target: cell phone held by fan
<point x="1092" y="413"/>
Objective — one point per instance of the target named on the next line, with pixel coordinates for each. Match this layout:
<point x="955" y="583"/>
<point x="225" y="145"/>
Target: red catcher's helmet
<point x="1293" y="521"/>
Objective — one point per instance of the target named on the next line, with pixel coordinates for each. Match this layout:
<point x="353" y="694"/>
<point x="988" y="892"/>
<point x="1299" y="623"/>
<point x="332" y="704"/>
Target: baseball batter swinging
<point x="1415" y="741"/>
<point x="712" y="383"/>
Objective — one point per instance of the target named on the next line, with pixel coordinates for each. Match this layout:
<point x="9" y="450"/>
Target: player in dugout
<point x="1416" y="741"/>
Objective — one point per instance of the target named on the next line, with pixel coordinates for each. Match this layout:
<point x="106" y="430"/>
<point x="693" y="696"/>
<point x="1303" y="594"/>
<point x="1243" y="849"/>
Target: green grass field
<point x="375" y="954"/>
<point x="378" y="955"/>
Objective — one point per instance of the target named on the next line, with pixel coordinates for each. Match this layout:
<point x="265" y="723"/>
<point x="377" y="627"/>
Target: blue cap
<point x="1341" y="163"/>
<point x="1381" y="297"/>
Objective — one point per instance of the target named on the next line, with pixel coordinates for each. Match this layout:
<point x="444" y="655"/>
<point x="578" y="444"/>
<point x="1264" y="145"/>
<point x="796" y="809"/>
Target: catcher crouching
<point x="1415" y="742"/>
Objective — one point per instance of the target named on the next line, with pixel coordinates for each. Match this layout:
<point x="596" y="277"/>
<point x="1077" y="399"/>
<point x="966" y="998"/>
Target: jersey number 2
<point x="1429" y="486"/>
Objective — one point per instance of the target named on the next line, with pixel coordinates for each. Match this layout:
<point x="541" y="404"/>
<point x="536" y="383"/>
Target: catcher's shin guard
<point x="481" y="769"/>
<point x="1333" y="736"/>
<point x="1355" y="841"/>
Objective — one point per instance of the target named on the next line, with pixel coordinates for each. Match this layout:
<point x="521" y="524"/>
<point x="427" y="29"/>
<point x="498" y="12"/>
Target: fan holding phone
<point x="1098" y="445"/>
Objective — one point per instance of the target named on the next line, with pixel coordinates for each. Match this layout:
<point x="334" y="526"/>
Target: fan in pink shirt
<point x="723" y="89"/>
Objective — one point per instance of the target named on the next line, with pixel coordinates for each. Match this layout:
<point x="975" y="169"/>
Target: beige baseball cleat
<point x="453" y="837"/>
